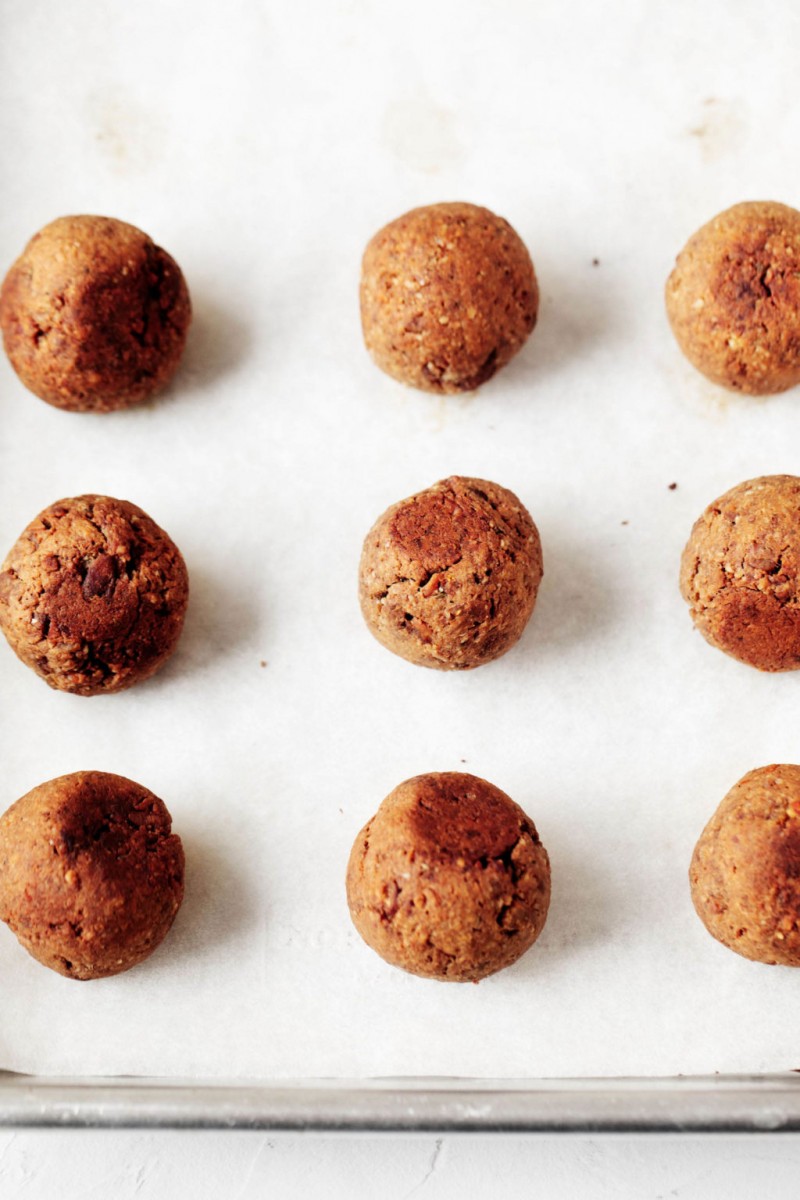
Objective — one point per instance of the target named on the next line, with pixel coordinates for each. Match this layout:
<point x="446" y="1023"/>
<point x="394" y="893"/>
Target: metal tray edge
<point x="689" y="1104"/>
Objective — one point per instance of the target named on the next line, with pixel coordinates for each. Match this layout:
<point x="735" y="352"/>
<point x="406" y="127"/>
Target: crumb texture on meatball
<point x="733" y="298"/>
<point x="91" y="874"/>
<point x="93" y="595"/>
<point x="94" y="315"/>
<point x="449" y="879"/>
<point x="739" y="573"/>
<point x="449" y="577"/>
<point x="745" y="870"/>
<point x="448" y="297"/>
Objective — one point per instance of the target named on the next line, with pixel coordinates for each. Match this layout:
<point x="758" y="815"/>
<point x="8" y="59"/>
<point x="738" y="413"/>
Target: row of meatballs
<point x="95" y="316"/>
<point x="449" y="879"/>
<point x="93" y="594"/>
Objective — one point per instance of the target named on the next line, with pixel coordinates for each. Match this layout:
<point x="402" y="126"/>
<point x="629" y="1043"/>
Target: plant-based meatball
<point x="733" y="298"/>
<point x="448" y="297"/>
<point x="94" y="315"/>
<point x="91" y="874"/>
<point x="449" y="577"/>
<point x="739" y="573"/>
<point x="93" y="595"/>
<point x="449" y="879"/>
<point x="745" y="871"/>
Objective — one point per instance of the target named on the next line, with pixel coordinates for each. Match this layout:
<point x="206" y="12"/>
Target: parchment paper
<point x="262" y="145"/>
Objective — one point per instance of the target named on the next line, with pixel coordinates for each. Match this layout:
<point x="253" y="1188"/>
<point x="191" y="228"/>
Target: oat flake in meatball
<point x="448" y="297"/>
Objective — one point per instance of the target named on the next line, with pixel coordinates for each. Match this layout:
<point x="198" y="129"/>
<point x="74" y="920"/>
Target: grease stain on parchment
<point x="719" y="128"/>
<point x="421" y="133"/>
<point x="127" y="136"/>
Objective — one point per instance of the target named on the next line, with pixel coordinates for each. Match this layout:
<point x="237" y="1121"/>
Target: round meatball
<point x="91" y="874"/>
<point x="93" y="595"/>
<point x="745" y="872"/>
<point x="448" y="296"/>
<point x="449" y="879"/>
<point x="739" y="573"/>
<point x="94" y="315"/>
<point x="733" y="299"/>
<point x="449" y="577"/>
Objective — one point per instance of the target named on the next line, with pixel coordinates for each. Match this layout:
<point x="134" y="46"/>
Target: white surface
<point x="262" y="145"/>
<point x="244" y="1166"/>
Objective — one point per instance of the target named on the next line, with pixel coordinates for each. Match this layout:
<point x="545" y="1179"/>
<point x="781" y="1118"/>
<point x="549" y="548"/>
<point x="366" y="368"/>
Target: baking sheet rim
<point x="682" y="1104"/>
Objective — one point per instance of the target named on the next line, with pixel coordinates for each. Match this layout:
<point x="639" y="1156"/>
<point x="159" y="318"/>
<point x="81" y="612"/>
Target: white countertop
<point x="56" y="1165"/>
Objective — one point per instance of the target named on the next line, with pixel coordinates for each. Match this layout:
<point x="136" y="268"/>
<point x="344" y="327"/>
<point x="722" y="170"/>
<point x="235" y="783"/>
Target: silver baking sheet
<point x="262" y="144"/>
<point x="721" y="1104"/>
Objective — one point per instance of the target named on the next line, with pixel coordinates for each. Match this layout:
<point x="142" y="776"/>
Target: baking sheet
<point x="262" y="145"/>
<point x="715" y="1104"/>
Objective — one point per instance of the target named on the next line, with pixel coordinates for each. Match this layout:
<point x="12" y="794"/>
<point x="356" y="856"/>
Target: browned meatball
<point x="94" y="315"/>
<point x="449" y="879"/>
<point x="93" y="595"/>
<point x="739" y="573"/>
<point x="91" y="875"/>
<point x="448" y="297"/>
<point x="449" y="577"/>
<point x="733" y="299"/>
<point x="745" y="872"/>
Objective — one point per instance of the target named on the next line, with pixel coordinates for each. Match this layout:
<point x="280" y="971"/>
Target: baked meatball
<point x="91" y="874"/>
<point x="739" y="573"/>
<point x="733" y="299"/>
<point x="449" y="577"/>
<point x="93" y="595"/>
<point x="448" y="297"/>
<point x="745" y="871"/>
<point x="449" y="879"/>
<point x="94" y="315"/>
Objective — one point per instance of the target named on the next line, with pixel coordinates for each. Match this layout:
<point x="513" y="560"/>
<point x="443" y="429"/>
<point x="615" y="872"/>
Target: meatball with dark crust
<point x="91" y="874"/>
<point x="745" y="870"/>
<point x="449" y="879"/>
<point x="733" y="298"/>
<point x="94" y="315"/>
<point x="740" y="573"/>
<point x="449" y="577"/>
<point x="93" y="595"/>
